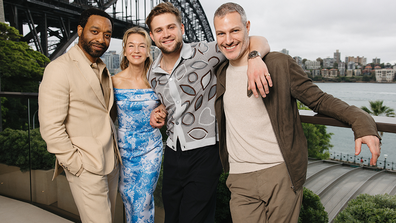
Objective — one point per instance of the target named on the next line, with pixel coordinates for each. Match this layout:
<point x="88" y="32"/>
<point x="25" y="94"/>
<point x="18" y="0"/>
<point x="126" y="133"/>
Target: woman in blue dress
<point x="140" y="144"/>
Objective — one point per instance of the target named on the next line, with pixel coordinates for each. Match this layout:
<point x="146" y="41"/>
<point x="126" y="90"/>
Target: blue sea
<point x="359" y="94"/>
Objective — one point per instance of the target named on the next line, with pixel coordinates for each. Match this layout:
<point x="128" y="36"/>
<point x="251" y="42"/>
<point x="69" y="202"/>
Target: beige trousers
<point x="264" y="196"/>
<point x="95" y="195"/>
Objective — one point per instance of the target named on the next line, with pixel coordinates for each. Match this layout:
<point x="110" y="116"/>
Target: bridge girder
<point x="53" y="23"/>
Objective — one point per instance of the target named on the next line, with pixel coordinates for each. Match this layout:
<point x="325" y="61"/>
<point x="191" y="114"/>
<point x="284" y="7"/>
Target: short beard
<point x="177" y="48"/>
<point x="87" y="46"/>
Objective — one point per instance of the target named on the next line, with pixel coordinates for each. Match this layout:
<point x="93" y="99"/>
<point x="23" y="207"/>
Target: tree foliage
<point x="21" y="68"/>
<point x="378" y="108"/>
<point x="318" y="139"/>
<point x="312" y="209"/>
<point x="369" y="208"/>
<point x="14" y="150"/>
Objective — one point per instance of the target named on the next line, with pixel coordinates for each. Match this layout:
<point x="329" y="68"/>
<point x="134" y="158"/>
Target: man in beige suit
<point x="75" y="99"/>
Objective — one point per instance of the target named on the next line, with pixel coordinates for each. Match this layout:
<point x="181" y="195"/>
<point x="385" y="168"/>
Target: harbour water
<point x="359" y="94"/>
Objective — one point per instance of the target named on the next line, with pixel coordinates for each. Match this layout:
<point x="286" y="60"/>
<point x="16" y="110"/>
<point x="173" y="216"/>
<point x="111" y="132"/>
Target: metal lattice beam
<point x="53" y="23"/>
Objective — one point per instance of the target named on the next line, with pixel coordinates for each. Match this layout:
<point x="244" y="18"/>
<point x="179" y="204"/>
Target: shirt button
<point x="177" y="102"/>
<point x="177" y="123"/>
<point x="170" y="79"/>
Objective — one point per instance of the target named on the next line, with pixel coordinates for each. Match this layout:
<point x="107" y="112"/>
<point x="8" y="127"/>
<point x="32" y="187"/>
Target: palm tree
<point x="377" y="109"/>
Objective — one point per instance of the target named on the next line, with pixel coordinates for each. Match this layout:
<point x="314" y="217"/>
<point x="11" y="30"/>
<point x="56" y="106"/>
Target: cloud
<point x="312" y="29"/>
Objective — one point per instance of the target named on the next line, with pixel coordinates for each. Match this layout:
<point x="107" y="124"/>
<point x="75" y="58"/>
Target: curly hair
<point x="92" y="11"/>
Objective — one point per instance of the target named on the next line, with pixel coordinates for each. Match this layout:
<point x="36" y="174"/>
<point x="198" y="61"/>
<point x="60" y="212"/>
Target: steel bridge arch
<point x="53" y="23"/>
<point x="195" y="21"/>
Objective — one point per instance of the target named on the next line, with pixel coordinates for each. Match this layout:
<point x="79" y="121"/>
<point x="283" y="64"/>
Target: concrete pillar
<point x="2" y="18"/>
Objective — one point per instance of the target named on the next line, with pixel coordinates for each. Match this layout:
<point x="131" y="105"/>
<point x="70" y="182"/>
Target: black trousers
<point x="189" y="184"/>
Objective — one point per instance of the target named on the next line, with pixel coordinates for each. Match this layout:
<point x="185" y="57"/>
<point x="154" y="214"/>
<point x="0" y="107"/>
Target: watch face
<point x="253" y="54"/>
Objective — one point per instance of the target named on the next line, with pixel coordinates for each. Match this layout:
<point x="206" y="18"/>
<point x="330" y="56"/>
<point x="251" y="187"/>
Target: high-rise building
<point x="298" y="59"/>
<point x="376" y="60"/>
<point x="337" y="56"/>
<point x="285" y="51"/>
<point x="112" y="61"/>
<point x="357" y="60"/>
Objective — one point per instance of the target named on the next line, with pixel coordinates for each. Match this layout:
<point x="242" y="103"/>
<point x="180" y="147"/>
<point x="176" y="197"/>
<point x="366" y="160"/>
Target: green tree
<point x="14" y="150"/>
<point x="21" y="67"/>
<point x="318" y="139"/>
<point x="369" y="208"/>
<point x="312" y="209"/>
<point x="21" y="70"/>
<point x="378" y="109"/>
<point x="320" y="60"/>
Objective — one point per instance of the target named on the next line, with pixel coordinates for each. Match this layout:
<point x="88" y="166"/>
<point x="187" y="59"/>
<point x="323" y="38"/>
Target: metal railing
<point x="34" y="195"/>
<point x="362" y="161"/>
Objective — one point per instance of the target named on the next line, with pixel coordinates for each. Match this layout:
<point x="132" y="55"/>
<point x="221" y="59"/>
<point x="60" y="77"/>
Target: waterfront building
<point x="325" y="73"/>
<point x="357" y="72"/>
<point x="312" y="65"/>
<point x="328" y="62"/>
<point x="333" y="73"/>
<point x="315" y="72"/>
<point x="351" y="65"/>
<point x="384" y="75"/>
<point x="349" y="72"/>
<point x="341" y="69"/>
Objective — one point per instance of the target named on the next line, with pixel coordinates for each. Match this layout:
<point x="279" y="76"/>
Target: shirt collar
<point x="99" y="63"/>
<point x="185" y="53"/>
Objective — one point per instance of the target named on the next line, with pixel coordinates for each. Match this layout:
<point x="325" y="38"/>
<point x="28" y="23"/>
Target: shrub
<point x="14" y="150"/>
<point x="369" y="208"/>
<point x="312" y="209"/>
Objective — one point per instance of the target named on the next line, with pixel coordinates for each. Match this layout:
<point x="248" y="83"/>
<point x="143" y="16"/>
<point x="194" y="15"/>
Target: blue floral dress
<point x="141" y="152"/>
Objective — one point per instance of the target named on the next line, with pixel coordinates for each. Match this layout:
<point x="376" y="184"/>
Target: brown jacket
<point x="290" y="83"/>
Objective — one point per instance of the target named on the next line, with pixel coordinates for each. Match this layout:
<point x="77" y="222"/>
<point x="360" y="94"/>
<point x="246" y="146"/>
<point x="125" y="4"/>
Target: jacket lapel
<point x="221" y="79"/>
<point x="89" y="75"/>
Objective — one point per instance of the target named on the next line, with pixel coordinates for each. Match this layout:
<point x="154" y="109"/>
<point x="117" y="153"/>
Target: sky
<point x="317" y="28"/>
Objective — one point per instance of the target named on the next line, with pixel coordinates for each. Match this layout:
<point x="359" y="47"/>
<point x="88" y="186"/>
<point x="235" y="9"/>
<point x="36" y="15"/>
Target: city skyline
<point x="309" y="29"/>
<point x="312" y="29"/>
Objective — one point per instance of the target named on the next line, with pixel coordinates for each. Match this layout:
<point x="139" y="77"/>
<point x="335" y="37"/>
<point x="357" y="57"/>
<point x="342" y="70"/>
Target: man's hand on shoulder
<point x="259" y="79"/>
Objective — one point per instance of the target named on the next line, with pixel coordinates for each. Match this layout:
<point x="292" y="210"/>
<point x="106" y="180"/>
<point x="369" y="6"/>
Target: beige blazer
<point x="74" y="120"/>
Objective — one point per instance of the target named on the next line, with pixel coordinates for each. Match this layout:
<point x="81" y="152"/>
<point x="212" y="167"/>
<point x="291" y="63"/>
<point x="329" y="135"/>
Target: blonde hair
<point x="147" y="63"/>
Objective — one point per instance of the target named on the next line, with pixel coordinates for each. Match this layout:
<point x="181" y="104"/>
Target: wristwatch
<point x="254" y="54"/>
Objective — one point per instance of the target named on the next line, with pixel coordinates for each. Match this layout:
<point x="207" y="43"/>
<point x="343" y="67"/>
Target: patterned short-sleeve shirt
<point x="188" y="94"/>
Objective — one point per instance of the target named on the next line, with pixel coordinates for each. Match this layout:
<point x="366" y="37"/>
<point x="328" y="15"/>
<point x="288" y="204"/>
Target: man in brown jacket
<point x="262" y="143"/>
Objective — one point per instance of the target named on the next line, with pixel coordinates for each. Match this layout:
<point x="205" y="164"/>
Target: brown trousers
<point x="264" y="196"/>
